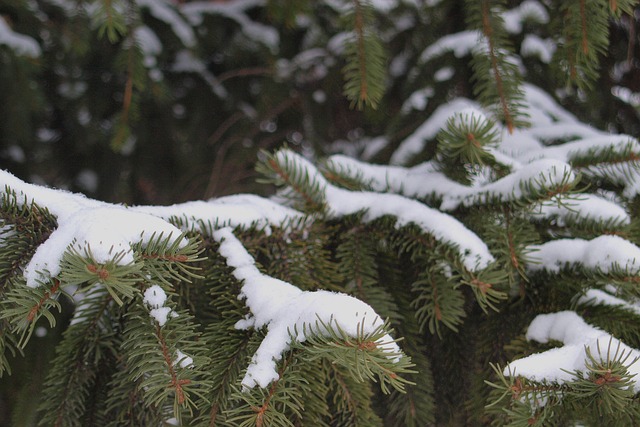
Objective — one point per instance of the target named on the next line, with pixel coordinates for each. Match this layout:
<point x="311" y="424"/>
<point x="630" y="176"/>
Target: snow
<point x="556" y="365"/>
<point x="444" y="73"/>
<point x="155" y="298"/>
<point x="186" y="62"/>
<point x="415" y="143"/>
<point x="542" y="173"/>
<point x="604" y="253"/>
<point x="234" y="10"/>
<point x="164" y="11"/>
<point x="627" y="96"/>
<point x="107" y="232"/>
<point x="600" y="297"/>
<point x="22" y="45"/>
<point x="583" y="206"/>
<point x="461" y="44"/>
<point x="149" y="44"/>
<point x="473" y="252"/>
<point x="533" y="45"/>
<point x="286" y="310"/>
<point x="528" y="10"/>
<point x="418" y="100"/>
<point x="183" y="360"/>
<point x="235" y="210"/>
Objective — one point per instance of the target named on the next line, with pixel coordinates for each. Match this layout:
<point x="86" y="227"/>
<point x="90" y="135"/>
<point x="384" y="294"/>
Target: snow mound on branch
<point x="545" y="172"/>
<point x="107" y="231"/>
<point x="583" y="206"/>
<point x="285" y="310"/>
<point x="472" y="250"/>
<point x="605" y="253"/>
<point x="556" y="365"/>
<point x="600" y="297"/>
<point x="232" y="211"/>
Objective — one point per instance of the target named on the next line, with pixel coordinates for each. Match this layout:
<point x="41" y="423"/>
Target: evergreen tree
<point x="450" y="238"/>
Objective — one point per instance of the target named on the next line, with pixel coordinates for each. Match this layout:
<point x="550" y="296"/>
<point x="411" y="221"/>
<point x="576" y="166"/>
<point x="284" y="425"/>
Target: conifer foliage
<point x="449" y="238"/>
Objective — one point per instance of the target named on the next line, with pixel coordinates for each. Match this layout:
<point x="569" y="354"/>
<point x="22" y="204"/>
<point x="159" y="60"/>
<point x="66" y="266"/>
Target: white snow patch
<point x="418" y="100"/>
<point x="528" y="10"/>
<point x="604" y="253"/>
<point x="473" y="252"/>
<point x="183" y="360"/>
<point x="164" y="11"/>
<point x="108" y="231"/>
<point x="236" y="210"/>
<point x="538" y="174"/>
<point x="105" y="232"/>
<point x="155" y="298"/>
<point x="583" y="206"/>
<point x="557" y="364"/>
<point x="186" y="62"/>
<point x="284" y="309"/>
<point x="600" y="297"/>
<point x="533" y="45"/>
<point x="235" y="10"/>
<point x="461" y="44"/>
<point x="22" y="45"/>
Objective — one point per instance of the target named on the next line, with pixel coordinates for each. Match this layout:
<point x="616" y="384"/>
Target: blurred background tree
<point x="165" y="101"/>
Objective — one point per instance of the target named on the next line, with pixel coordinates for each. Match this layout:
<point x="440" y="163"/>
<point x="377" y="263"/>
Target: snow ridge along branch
<point x="290" y="313"/>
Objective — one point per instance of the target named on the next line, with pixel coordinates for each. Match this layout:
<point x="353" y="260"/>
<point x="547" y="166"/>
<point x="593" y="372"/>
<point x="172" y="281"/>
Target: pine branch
<point x="276" y="405"/>
<point x="110" y="20"/>
<point x="154" y="356"/>
<point x="586" y="38"/>
<point x="24" y="306"/>
<point x="372" y="362"/>
<point x="497" y="80"/>
<point x="438" y="301"/>
<point x="352" y="401"/>
<point x="285" y="170"/>
<point x="87" y="347"/>
<point x="365" y="69"/>
<point x="461" y="145"/>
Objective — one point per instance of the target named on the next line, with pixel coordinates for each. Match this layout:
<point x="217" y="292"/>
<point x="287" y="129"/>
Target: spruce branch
<point x="363" y="356"/>
<point x="282" y="168"/>
<point x="25" y="305"/>
<point x="497" y="80"/>
<point x="166" y="258"/>
<point x="110" y="19"/>
<point x="154" y="357"/>
<point x="365" y="69"/>
<point x="276" y="405"/>
<point x="121" y="281"/>
<point x="89" y="345"/>
<point x="585" y="26"/>
<point x="461" y="145"/>
<point x="606" y="384"/>
<point x="352" y="399"/>
<point x="615" y="163"/>
<point x="24" y="226"/>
